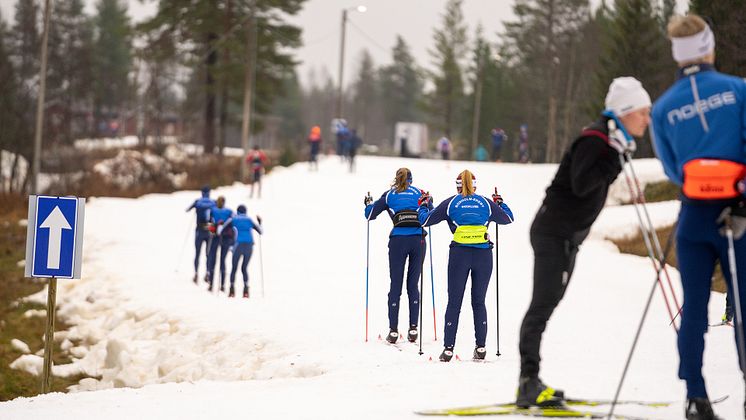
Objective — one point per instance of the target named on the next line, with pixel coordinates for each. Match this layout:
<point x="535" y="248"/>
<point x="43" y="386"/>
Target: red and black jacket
<point x="578" y="192"/>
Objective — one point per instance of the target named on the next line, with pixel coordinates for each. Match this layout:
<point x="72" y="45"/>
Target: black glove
<point x="497" y="198"/>
<point x="734" y="217"/>
<point x="368" y="200"/>
<point x="425" y="199"/>
<point x="259" y="219"/>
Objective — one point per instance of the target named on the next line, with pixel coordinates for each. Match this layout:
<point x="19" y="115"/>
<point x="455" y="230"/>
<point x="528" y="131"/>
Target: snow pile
<point x="124" y="142"/>
<point x="20" y="346"/>
<point x="648" y="171"/>
<point x="131" y="167"/>
<point x="35" y="312"/>
<point x="175" y="154"/>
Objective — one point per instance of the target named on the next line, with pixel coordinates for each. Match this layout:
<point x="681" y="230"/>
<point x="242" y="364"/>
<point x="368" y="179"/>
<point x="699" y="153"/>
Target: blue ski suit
<point x="203" y="207"/>
<point x="242" y="226"/>
<point x="224" y="241"/>
<point x="469" y="211"/>
<point x="405" y="243"/>
<point x="702" y="115"/>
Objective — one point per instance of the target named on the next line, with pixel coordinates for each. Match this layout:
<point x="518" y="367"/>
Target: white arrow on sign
<point x="55" y="222"/>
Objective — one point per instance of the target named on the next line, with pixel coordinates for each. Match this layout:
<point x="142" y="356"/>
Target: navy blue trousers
<point x="200" y="236"/>
<point x="698" y="247"/>
<point x="224" y="243"/>
<point x="242" y="250"/>
<point x="401" y="249"/>
<point x="461" y="261"/>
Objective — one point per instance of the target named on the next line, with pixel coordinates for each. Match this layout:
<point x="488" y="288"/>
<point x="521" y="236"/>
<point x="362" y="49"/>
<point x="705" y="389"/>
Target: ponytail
<point x="467" y="183"/>
<point x="402" y="180"/>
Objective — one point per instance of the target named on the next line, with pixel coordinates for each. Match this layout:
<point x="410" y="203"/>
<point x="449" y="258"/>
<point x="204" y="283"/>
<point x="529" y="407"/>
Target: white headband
<point x="689" y="48"/>
<point x="460" y="184"/>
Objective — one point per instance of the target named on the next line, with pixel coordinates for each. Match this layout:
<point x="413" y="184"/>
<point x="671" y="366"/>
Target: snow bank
<point x="131" y="167"/>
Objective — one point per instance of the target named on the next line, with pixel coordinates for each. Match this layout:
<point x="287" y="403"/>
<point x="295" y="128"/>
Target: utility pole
<point x="248" y="90"/>
<point x="338" y="113"/>
<point x="36" y="164"/>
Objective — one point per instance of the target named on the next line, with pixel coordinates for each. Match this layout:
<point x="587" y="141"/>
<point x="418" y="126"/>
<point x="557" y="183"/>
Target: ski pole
<point x="422" y="281"/>
<point x="261" y="263"/>
<point x="737" y="300"/>
<point x="497" y="287"/>
<point x="645" y="231"/>
<point x="642" y="320"/>
<point x="641" y="196"/>
<point x="432" y="283"/>
<point x="367" y="265"/>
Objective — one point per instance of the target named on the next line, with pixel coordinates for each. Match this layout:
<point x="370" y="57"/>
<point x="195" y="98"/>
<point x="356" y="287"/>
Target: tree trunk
<point x="209" y="130"/>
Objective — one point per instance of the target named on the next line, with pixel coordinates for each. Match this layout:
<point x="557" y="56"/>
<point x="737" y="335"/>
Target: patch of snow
<point x="20" y="346"/>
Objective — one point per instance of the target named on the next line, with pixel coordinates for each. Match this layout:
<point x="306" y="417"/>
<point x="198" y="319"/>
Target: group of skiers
<point x="698" y="127"/>
<point x="218" y="227"/>
<point x="348" y="143"/>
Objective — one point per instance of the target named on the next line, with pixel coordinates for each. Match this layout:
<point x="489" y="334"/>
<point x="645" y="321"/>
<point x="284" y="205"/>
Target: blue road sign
<point x="54" y="236"/>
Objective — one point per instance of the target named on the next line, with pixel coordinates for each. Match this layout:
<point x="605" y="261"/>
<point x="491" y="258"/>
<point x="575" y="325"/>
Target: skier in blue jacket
<point x="468" y="216"/>
<point x="219" y="215"/>
<point x="242" y="226"/>
<point x="203" y="208"/>
<point x="699" y="133"/>
<point x="406" y="242"/>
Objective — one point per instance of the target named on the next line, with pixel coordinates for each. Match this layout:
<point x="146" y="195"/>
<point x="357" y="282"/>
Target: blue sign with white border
<point x="54" y="236"/>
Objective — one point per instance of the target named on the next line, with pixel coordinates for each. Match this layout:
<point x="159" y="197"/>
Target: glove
<point x="734" y="217"/>
<point x="618" y="140"/>
<point x="425" y="199"/>
<point x="497" y="198"/>
<point x="212" y="228"/>
<point x="259" y="219"/>
<point x="368" y="200"/>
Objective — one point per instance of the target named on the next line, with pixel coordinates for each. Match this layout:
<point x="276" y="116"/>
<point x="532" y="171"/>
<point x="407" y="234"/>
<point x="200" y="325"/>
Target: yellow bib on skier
<point x="471" y="234"/>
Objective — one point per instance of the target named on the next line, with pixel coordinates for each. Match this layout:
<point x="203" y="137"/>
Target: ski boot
<point x="699" y="409"/>
<point x="479" y="353"/>
<point x="207" y="278"/>
<point x="232" y="292"/>
<point x="246" y="292"/>
<point x="392" y="337"/>
<point x="195" y="279"/>
<point x="532" y="392"/>
<point x="446" y="355"/>
<point x="412" y="334"/>
<point x="727" y="317"/>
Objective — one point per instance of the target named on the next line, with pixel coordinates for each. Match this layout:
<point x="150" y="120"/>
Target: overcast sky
<point x="374" y="30"/>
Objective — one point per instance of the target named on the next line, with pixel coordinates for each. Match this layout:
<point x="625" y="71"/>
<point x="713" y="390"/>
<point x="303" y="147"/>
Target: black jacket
<point x="578" y="192"/>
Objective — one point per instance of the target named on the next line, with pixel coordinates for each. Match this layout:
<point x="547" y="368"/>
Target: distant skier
<point x="573" y="201"/>
<point x="203" y="208"/>
<point x="480" y="155"/>
<point x="242" y="249"/>
<point x="444" y="146"/>
<point x="314" y="141"/>
<point x="257" y="160"/>
<point x="699" y="132"/>
<point x="406" y="243"/>
<point x="219" y="215"/>
<point x="498" y="137"/>
<point x="523" y="155"/>
<point x="354" y="144"/>
<point x="468" y="216"/>
<point x="343" y="139"/>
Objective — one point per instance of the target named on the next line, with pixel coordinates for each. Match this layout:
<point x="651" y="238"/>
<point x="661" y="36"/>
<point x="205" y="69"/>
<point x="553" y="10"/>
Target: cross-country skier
<point x="202" y="207"/>
<point x="699" y="132"/>
<point x="242" y="249"/>
<point x="498" y="137"/>
<point x="219" y="215"/>
<point x="573" y="201"/>
<point x="406" y="243"/>
<point x="314" y="141"/>
<point x="257" y="160"/>
<point x="468" y="215"/>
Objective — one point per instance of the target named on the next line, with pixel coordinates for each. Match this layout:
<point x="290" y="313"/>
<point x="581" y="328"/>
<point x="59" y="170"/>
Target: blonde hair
<point x="682" y="26"/>
<point x="467" y="183"/>
<point x="401" y="180"/>
<point x="220" y="201"/>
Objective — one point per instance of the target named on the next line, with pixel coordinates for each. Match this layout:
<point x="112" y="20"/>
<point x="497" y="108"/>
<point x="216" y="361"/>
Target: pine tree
<point x="401" y="83"/>
<point x="728" y="20"/>
<point x="366" y="116"/>
<point x="643" y="53"/>
<point x="24" y="39"/>
<point x="112" y="57"/>
<point x="446" y="102"/>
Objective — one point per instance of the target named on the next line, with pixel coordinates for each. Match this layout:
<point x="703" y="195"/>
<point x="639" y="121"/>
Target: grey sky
<point x="374" y="30"/>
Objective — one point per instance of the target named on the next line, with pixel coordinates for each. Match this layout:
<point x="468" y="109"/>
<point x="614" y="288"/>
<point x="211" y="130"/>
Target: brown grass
<point x="636" y="246"/>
